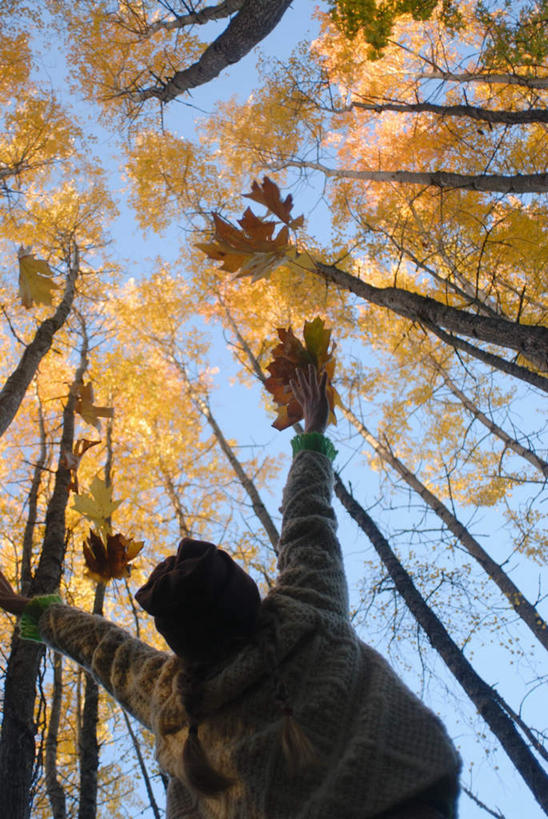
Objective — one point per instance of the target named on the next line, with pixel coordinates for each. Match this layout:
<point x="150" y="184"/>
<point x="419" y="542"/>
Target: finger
<point x="323" y="382"/>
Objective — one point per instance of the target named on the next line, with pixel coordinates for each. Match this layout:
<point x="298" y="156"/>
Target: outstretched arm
<point x="133" y="672"/>
<point x="310" y="561"/>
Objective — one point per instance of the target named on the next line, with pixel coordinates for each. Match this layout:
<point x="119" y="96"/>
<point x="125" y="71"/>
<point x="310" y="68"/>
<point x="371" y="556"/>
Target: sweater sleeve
<point x="310" y="561"/>
<point x="129" y="669"/>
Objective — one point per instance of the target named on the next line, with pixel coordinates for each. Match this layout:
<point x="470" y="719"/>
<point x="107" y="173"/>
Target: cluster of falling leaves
<point x="291" y="354"/>
<point x="107" y="556"/>
<point x="255" y="249"/>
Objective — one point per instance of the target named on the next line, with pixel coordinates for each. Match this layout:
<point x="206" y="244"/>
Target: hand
<point x="312" y="397"/>
<point x="9" y="599"/>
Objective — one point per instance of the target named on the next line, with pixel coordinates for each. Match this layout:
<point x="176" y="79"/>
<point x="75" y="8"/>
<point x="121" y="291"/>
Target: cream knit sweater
<point x="378" y="745"/>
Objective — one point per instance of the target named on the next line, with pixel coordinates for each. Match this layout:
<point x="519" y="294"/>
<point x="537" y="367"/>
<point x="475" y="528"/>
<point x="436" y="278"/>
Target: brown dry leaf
<point x="110" y="561"/>
<point x="85" y="407"/>
<point x="291" y="354"/>
<point x="268" y="194"/>
<point x="71" y="460"/>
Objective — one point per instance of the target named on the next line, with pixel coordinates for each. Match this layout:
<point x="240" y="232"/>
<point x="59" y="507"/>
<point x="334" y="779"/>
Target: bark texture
<point x="17" y="751"/>
<point x="488" y="702"/>
<point x="14" y="389"/>
<point x="470" y="111"/>
<point x="523" y="608"/>
<point x="252" y="23"/>
<point x="55" y="791"/>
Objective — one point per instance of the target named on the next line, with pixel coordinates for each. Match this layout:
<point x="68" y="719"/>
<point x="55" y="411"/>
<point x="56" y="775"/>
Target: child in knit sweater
<point x="269" y="708"/>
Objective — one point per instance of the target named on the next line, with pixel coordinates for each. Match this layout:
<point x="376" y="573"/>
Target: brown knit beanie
<point x="201" y="600"/>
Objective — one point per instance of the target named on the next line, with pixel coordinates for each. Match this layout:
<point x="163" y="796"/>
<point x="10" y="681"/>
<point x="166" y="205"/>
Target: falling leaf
<point x="292" y="354"/>
<point x="97" y="506"/>
<point x="268" y="194"/>
<point x="35" y="282"/>
<point x="254" y="249"/>
<point x="71" y="460"/>
<point x="110" y="561"/>
<point x="86" y="408"/>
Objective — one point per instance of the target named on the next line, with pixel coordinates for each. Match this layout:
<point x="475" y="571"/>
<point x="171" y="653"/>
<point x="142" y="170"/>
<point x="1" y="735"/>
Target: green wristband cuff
<point x="315" y="442"/>
<point x="28" y="624"/>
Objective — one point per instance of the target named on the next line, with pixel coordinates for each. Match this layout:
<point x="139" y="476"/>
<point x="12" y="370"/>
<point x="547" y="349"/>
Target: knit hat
<point x="201" y="600"/>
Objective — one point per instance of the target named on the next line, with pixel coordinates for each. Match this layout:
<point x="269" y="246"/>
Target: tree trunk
<point x="55" y="791"/>
<point x="471" y="111"/>
<point x="18" y="726"/>
<point x="495" y="183"/>
<point x="523" y="338"/>
<point x="487" y="701"/>
<point x="16" y="386"/>
<point x="28" y="535"/>
<point x="486" y="77"/>
<point x="252" y="23"/>
<point x="513" y="595"/>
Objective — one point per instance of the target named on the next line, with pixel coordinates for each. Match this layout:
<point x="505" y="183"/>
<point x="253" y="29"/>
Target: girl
<point x="273" y="708"/>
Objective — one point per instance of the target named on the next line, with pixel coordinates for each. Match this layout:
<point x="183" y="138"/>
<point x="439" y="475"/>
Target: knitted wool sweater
<point x="377" y="744"/>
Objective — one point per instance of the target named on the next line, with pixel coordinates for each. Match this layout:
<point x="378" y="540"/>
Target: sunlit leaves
<point x="292" y="354"/>
<point x="109" y="559"/>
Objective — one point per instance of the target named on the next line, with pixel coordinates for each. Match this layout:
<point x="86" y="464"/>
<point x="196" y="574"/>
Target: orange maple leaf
<point x="292" y="354"/>
<point x="110" y="561"/>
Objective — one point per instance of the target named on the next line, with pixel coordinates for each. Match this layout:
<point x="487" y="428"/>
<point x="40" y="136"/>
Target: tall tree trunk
<point x="495" y="183"/>
<point x="14" y="389"/>
<point x="488" y="702"/>
<point x="509" y="442"/>
<point x="486" y="77"/>
<point x="471" y="111"/>
<point x="28" y="534"/>
<point x="88" y="745"/>
<point x="523" y="608"/>
<point x="18" y="725"/>
<point x="55" y="790"/>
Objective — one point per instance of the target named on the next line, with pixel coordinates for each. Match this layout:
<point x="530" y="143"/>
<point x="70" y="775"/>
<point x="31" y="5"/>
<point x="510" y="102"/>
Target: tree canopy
<point x="133" y="411"/>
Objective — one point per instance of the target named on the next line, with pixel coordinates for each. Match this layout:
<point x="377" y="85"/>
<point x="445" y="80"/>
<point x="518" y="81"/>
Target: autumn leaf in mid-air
<point x="254" y="249"/>
<point x="86" y="408"/>
<point x="36" y="285"/>
<point x="292" y="354"/>
<point x="97" y="506"/>
<point x="71" y="460"/>
<point x="110" y="560"/>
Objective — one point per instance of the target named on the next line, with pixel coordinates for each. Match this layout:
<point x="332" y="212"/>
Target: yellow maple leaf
<point x="35" y="282"/>
<point x="97" y="506"/>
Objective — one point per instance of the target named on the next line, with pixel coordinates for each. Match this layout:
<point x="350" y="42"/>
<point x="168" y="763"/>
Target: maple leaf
<point x="254" y="249"/>
<point x="109" y="561"/>
<point x="97" y="506"/>
<point x="71" y="460"/>
<point x="268" y="194"/>
<point x="35" y="282"/>
<point x="86" y="408"/>
<point x="292" y="354"/>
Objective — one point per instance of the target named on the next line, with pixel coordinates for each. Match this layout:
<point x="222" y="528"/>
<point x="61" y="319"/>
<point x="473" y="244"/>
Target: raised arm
<point x="310" y="561"/>
<point x="133" y="672"/>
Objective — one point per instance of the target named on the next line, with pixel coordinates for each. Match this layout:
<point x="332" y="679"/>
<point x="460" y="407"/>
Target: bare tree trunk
<point x="142" y="766"/>
<point x="14" y="389"/>
<point x="28" y="535"/>
<point x="509" y="442"/>
<point x="513" y="595"/>
<point x="470" y="111"/>
<point x="55" y="791"/>
<point x="488" y="702"/>
<point x="496" y="183"/>
<point x="486" y="77"/>
<point x="18" y="725"/>
<point x="252" y="23"/>
<point x="256" y="502"/>
<point x="525" y="339"/>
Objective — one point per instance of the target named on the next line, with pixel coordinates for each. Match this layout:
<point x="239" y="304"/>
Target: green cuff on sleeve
<point x="314" y="441"/>
<point x="28" y="624"/>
